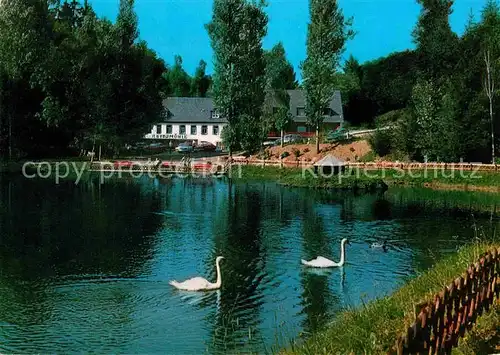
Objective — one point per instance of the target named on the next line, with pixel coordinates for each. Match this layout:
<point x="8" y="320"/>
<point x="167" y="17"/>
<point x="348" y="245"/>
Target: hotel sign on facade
<point x="166" y="136"/>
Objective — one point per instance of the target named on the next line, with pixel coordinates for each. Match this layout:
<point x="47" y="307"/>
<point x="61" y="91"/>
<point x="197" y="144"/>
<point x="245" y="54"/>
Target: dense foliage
<point x="327" y="34"/>
<point x="236" y="31"/>
<point x="69" y="79"/>
<point x="280" y="77"/>
<point x="442" y="108"/>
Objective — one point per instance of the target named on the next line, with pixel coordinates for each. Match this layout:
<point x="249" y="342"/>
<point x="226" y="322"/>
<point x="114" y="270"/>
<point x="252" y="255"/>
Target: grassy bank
<point x="374" y="328"/>
<point x="443" y="179"/>
<point x="296" y="177"/>
<point x="373" y="179"/>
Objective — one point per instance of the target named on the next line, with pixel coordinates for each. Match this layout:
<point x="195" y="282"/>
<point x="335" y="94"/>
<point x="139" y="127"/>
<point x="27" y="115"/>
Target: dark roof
<point x="298" y="100"/>
<point x="190" y="109"/>
<point x="199" y="109"/>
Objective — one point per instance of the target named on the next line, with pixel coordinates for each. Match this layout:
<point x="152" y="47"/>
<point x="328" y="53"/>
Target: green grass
<point x="375" y="327"/>
<point x="445" y="177"/>
<point x="484" y="337"/>
<point x="354" y="178"/>
<point x="296" y="177"/>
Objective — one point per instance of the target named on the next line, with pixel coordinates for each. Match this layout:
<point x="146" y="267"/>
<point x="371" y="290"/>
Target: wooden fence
<point x="441" y="322"/>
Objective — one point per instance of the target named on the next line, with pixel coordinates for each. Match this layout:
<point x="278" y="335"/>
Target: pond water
<point x="85" y="268"/>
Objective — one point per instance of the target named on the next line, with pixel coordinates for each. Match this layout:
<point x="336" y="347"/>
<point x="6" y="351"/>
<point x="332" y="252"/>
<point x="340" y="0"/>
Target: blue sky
<point x="383" y="26"/>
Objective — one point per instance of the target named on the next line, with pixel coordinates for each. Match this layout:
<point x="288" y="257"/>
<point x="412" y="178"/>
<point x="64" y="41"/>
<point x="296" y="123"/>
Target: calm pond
<point x="85" y="268"/>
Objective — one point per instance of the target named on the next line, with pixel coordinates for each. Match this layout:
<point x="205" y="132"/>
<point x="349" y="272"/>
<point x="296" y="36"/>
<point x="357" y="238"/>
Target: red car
<point x="205" y="146"/>
<point x="168" y="164"/>
<point x="203" y="166"/>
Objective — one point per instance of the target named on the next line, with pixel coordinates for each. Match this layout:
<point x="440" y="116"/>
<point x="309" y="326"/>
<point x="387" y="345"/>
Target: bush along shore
<point x="371" y="179"/>
<point x="298" y="177"/>
<point x="351" y="179"/>
<point x="375" y="327"/>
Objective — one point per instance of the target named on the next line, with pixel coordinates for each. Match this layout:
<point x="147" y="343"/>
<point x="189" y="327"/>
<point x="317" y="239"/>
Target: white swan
<point x="199" y="283"/>
<point x="382" y="245"/>
<point x="324" y="262"/>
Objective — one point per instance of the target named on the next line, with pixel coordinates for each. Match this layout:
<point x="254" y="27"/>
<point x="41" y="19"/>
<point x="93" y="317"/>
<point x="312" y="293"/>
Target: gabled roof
<point x="298" y="99"/>
<point x="190" y="109"/>
<point x="199" y="109"/>
<point x="329" y="160"/>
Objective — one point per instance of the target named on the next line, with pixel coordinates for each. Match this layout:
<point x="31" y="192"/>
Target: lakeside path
<point x="460" y="177"/>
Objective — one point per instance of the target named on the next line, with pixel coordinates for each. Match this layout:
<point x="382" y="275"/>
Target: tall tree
<point x="200" y="82"/>
<point x="236" y="33"/>
<point x="70" y="77"/>
<point x="327" y="34"/>
<point x="489" y="88"/>
<point x="436" y="48"/>
<point x="279" y="71"/>
<point x="436" y="42"/>
<point x="490" y="51"/>
<point x="279" y="77"/>
<point x="25" y="44"/>
<point x="179" y="81"/>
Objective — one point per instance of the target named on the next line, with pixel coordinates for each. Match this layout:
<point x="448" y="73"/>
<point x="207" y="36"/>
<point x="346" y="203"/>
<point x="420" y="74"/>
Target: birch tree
<point x="489" y="88"/>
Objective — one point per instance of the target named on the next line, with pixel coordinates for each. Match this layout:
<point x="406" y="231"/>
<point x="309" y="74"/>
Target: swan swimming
<point x="382" y="245"/>
<point x="199" y="283"/>
<point x="324" y="262"/>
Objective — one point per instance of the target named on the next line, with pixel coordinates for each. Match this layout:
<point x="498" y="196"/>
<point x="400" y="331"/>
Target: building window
<point x="193" y="129"/>
<point x="182" y="129"/>
<point x="301" y="111"/>
<point x="215" y="113"/>
<point x="204" y="130"/>
<point x="301" y="129"/>
<point x="169" y="129"/>
<point x="215" y="130"/>
<point x="158" y="129"/>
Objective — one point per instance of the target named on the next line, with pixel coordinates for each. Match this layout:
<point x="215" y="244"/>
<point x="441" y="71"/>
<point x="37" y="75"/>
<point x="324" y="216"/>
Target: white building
<point x="196" y="119"/>
<point x="189" y="119"/>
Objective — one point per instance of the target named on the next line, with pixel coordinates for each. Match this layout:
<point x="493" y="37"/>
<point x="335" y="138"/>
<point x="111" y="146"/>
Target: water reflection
<point x="240" y="223"/>
<point x="86" y="267"/>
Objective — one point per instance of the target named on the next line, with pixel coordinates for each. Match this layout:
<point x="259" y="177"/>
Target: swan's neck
<point x="218" y="283"/>
<point x="342" y="254"/>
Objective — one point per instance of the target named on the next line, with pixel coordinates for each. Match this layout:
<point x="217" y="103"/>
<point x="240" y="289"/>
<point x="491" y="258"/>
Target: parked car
<point x="292" y="138"/>
<point x="185" y="147"/>
<point x="205" y="146"/>
<point x="338" y="135"/>
<point x="289" y="139"/>
<point x="157" y="146"/>
<point x="123" y="164"/>
<point x="270" y="143"/>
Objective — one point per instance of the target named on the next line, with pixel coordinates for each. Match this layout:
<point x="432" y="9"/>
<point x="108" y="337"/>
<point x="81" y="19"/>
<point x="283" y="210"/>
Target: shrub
<point x="296" y="152"/>
<point x="265" y="155"/>
<point x="368" y="157"/>
<point x="381" y="142"/>
<point x="390" y="117"/>
<point x="284" y="155"/>
<point x="306" y="150"/>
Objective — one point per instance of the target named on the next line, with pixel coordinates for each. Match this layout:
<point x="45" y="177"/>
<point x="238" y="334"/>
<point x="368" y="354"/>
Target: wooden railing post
<point x="439" y="324"/>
